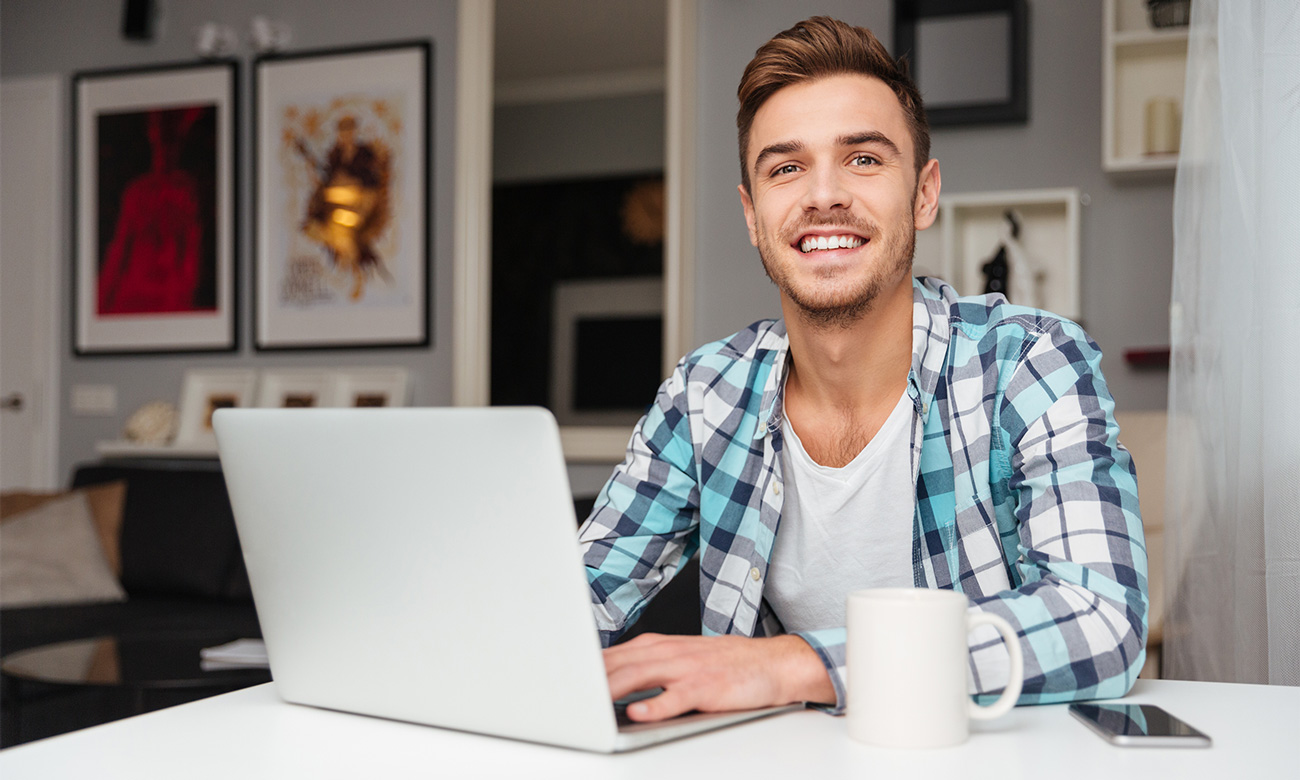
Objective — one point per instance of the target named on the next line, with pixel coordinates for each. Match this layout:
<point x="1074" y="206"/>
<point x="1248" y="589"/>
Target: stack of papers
<point x="239" y="654"/>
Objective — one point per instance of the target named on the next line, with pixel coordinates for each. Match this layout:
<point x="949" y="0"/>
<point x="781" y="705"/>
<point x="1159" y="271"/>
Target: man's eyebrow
<point x="783" y="147"/>
<point x="849" y="139"/>
<point x="870" y="137"/>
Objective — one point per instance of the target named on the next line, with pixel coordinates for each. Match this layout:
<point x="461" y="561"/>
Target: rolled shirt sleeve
<point x="643" y="527"/>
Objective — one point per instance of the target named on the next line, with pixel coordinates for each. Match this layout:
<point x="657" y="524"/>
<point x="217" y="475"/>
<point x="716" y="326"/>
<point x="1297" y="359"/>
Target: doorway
<point x="591" y="103"/>
<point x="31" y="175"/>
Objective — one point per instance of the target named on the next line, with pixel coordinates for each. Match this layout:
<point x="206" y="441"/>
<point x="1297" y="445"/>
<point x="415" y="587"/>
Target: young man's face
<point x="835" y="201"/>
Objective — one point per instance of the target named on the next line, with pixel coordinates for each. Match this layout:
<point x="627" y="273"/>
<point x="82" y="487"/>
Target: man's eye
<point x="864" y="160"/>
<point x="784" y="169"/>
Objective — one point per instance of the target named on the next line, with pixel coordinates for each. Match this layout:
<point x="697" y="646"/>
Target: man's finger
<point x="646" y="673"/>
<point x="668" y="704"/>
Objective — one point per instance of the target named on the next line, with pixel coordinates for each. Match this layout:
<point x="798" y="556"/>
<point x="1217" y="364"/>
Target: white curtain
<point x="1233" y="501"/>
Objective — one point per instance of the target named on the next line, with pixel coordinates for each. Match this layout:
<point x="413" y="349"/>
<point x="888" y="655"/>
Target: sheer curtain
<point x="1233" y="501"/>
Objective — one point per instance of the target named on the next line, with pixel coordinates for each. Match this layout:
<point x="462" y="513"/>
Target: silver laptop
<point x="423" y="565"/>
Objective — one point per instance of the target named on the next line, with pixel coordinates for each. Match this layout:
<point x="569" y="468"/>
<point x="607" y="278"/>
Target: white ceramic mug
<point x="908" y="662"/>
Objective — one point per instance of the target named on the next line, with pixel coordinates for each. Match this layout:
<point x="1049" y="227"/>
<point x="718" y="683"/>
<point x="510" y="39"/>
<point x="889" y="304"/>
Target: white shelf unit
<point x="1139" y="63"/>
<point x="968" y="232"/>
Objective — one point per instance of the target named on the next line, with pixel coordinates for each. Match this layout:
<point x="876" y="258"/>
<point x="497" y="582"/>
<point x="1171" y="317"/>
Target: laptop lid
<point x="421" y="565"/>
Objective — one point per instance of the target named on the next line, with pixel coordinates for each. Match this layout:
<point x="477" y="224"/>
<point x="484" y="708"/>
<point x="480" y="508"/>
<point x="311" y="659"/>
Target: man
<point x="884" y="432"/>
<point x="348" y="208"/>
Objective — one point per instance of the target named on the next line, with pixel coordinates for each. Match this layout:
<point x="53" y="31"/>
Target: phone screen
<point x="1132" y="724"/>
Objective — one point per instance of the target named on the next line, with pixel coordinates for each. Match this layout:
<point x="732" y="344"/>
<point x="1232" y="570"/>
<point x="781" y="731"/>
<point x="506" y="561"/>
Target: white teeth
<point x="811" y="243"/>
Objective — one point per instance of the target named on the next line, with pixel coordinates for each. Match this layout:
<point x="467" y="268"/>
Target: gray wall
<point x="578" y="138"/>
<point x="39" y="37"/>
<point x="1127" y="235"/>
<point x="1127" y="231"/>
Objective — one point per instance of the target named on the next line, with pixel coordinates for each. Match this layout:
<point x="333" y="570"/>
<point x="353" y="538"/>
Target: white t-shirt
<point x="843" y="529"/>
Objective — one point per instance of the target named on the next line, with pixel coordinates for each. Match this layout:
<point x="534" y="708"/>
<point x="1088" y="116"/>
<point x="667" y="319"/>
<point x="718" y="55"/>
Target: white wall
<point x="1127" y="232"/>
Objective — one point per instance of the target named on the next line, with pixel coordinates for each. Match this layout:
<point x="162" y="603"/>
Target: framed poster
<point x="153" y="213"/>
<point x="341" y="198"/>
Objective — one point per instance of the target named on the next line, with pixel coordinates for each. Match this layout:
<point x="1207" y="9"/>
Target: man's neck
<point x="844" y="380"/>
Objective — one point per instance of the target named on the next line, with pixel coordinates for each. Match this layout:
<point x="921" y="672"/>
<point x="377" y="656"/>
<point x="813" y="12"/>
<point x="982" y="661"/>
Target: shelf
<point x="130" y="449"/>
<point x="968" y="232"/>
<point x="1163" y="162"/>
<point x="590" y="444"/>
<point x="1132" y="16"/>
<point x="1149" y="37"/>
<point x="1140" y="64"/>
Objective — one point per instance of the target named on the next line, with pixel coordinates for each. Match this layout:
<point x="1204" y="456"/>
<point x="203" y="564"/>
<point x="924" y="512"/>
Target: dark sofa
<point x="184" y="575"/>
<point x="183" y="571"/>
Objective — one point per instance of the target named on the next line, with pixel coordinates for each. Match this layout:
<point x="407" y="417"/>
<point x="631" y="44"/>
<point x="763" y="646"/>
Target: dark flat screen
<point x="617" y="365"/>
<point x="1136" y="720"/>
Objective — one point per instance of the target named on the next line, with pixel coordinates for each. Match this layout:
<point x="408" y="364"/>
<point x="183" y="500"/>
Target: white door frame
<point x="44" y="95"/>
<point x="472" y="280"/>
<point x="472" y="231"/>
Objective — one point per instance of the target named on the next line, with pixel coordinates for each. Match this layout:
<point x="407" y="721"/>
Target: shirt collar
<point x="930" y="337"/>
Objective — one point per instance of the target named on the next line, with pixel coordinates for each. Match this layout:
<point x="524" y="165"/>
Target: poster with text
<point x="342" y="242"/>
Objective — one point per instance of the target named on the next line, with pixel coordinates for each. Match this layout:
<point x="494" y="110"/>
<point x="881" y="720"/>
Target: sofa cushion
<point x="105" y="502"/>
<point x="52" y="555"/>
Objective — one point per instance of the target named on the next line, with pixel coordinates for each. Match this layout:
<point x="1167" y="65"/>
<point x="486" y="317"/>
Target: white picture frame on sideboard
<point x="371" y="387"/>
<point x="203" y="392"/>
<point x="296" y="388"/>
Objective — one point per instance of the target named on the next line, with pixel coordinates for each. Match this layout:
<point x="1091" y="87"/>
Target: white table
<point x="253" y="734"/>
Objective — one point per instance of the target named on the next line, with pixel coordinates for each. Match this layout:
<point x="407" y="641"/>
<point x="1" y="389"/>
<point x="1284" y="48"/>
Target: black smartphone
<point x="1137" y="725"/>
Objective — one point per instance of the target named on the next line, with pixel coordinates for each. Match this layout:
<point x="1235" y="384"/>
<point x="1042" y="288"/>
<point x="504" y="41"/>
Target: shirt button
<point x="776" y="489"/>
<point x="754" y="574"/>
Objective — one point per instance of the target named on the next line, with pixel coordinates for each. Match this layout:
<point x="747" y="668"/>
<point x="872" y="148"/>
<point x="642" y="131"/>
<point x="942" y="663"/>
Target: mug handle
<point x="1016" y="678"/>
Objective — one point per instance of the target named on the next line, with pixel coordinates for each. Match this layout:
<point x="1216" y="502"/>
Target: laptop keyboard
<point x="620" y="714"/>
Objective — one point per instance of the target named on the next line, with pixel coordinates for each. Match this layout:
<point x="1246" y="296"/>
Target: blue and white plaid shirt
<point x="1025" y="499"/>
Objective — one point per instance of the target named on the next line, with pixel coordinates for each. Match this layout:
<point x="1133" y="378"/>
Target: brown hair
<point x="820" y="47"/>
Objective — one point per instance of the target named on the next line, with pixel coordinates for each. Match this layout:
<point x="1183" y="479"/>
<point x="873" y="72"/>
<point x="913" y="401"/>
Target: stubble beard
<point x="840" y="307"/>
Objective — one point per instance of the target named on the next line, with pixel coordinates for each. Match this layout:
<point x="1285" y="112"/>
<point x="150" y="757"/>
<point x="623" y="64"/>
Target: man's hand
<point x="715" y="674"/>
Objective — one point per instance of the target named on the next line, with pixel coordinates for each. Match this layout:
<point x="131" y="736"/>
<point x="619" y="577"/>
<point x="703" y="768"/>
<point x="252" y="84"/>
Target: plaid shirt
<point x="1025" y="499"/>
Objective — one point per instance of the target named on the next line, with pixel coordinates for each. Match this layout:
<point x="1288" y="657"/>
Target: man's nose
<point x="826" y="190"/>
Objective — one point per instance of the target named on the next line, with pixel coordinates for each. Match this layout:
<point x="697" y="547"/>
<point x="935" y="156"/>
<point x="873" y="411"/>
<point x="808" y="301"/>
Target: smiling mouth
<point x="809" y="244"/>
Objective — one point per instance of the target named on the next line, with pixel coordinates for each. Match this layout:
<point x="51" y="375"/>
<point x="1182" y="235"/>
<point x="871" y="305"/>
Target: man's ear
<point x="926" y="207"/>
<point x="748" y="204"/>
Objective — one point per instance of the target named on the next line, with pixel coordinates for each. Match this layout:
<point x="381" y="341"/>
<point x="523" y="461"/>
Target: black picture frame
<point x="375" y="289"/>
<point x="155" y="223"/>
<point x="910" y="18"/>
